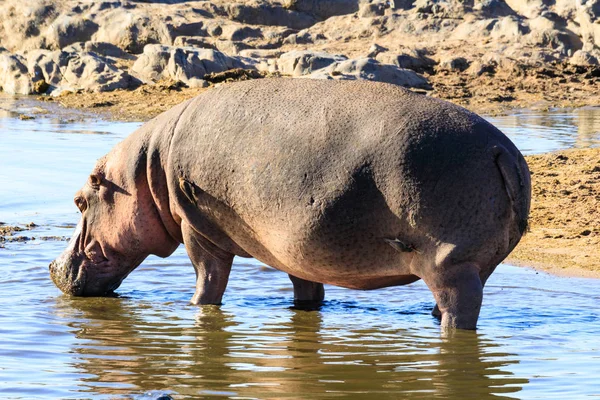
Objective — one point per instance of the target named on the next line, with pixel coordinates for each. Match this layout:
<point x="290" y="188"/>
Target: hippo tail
<point x="517" y="183"/>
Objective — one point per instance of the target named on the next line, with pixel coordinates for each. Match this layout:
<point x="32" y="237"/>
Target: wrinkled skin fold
<point x="356" y="184"/>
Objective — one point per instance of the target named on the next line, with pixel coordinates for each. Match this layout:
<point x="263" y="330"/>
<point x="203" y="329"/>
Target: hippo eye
<point x="95" y="181"/>
<point x="80" y="203"/>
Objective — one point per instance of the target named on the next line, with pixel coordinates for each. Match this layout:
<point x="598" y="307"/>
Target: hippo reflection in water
<point x="356" y="184"/>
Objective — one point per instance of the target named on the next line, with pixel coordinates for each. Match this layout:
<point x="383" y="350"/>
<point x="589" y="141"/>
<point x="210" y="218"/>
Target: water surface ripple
<point x="537" y="337"/>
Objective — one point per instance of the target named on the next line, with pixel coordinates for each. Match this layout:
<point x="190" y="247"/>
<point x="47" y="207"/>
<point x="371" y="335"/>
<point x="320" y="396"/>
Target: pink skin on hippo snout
<point x="119" y="228"/>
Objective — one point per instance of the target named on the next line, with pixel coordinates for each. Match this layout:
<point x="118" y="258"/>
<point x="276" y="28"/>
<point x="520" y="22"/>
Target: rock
<point x="231" y="47"/>
<point x="402" y="4"/>
<point x="188" y="65"/>
<point x="265" y="14"/>
<point x="583" y="58"/>
<point x="493" y="8"/>
<point x="509" y="28"/>
<point x="238" y="33"/>
<point x="14" y="76"/>
<point x="151" y="64"/>
<point x="131" y="30"/>
<point x="546" y="33"/>
<point x="44" y="65"/>
<point x="107" y="50"/>
<point x="305" y="36"/>
<point x="412" y="59"/>
<point x="527" y="8"/>
<point x="371" y="10"/>
<point x="69" y="29"/>
<point x="323" y="9"/>
<point x="214" y="29"/>
<point x="261" y="53"/>
<point x="453" y="64"/>
<point x="371" y="69"/>
<point x="90" y="72"/>
<point x="375" y="49"/>
<point x="297" y="63"/>
<point x="478" y="68"/>
<point x="441" y="8"/>
<point x="187" y="29"/>
<point x="193" y="41"/>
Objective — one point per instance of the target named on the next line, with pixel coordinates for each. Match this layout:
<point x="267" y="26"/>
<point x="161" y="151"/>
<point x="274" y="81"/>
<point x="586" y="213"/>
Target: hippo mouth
<point x="80" y="270"/>
<point x="70" y="277"/>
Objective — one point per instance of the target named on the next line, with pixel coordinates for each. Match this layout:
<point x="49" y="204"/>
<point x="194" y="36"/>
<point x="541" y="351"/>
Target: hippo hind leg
<point x="458" y="293"/>
<point x="307" y="294"/>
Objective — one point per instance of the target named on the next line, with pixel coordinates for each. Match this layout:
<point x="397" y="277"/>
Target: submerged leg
<point x="307" y="293"/>
<point x="458" y="292"/>
<point x="212" y="266"/>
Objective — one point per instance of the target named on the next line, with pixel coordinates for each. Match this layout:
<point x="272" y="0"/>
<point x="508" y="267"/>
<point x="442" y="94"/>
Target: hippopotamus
<point x="358" y="184"/>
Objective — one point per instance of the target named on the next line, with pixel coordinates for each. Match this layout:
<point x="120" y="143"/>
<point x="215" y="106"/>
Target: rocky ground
<point x="135" y="59"/>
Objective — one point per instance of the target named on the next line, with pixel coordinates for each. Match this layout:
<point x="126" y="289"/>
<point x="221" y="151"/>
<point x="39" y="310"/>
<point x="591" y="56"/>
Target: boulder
<point x="231" y="47"/>
<point x="371" y="69"/>
<point x="90" y="72"/>
<point x="187" y="29"/>
<point x="45" y="65"/>
<point x="107" y="50"/>
<point x="151" y="64"/>
<point x="297" y="63"/>
<point x="323" y="9"/>
<point x="265" y="14"/>
<point x="305" y="36"/>
<point x="14" y="76"/>
<point x="413" y="59"/>
<point x="193" y="41"/>
<point x="376" y="49"/>
<point x="371" y="10"/>
<point x="547" y="32"/>
<point x="453" y="64"/>
<point x="238" y="33"/>
<point x="131" y="30"/>
<point x="584" y="59"/>
<point x="69" y="29"/>
<point x="509" y="28"/>
<point x="261" y="53"/>
<point x="493" y="8"/>
<point x="527" y="8"/>
<point x="189" y="65"/>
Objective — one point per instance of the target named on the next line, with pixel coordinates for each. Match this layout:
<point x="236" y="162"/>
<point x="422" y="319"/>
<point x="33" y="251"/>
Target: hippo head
<point x="120" y="226"/>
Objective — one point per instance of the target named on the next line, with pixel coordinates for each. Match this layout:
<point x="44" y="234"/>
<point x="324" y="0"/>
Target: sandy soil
<point x="564" y="235"/>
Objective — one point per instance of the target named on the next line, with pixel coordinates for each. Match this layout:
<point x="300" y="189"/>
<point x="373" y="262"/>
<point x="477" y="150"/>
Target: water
<point x="537" y="337"/>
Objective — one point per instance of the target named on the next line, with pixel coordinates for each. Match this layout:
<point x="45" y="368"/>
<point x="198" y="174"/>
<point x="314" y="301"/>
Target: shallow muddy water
<point x="538" y="336"/>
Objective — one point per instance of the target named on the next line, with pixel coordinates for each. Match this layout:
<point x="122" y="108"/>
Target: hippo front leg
<point x="212" y="266"/>
<point x="307" y="294"/>
<point x="458" y="292"/>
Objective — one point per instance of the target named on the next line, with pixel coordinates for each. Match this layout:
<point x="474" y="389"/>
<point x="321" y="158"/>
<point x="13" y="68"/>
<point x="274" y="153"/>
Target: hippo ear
<point x="96" y="180"/>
